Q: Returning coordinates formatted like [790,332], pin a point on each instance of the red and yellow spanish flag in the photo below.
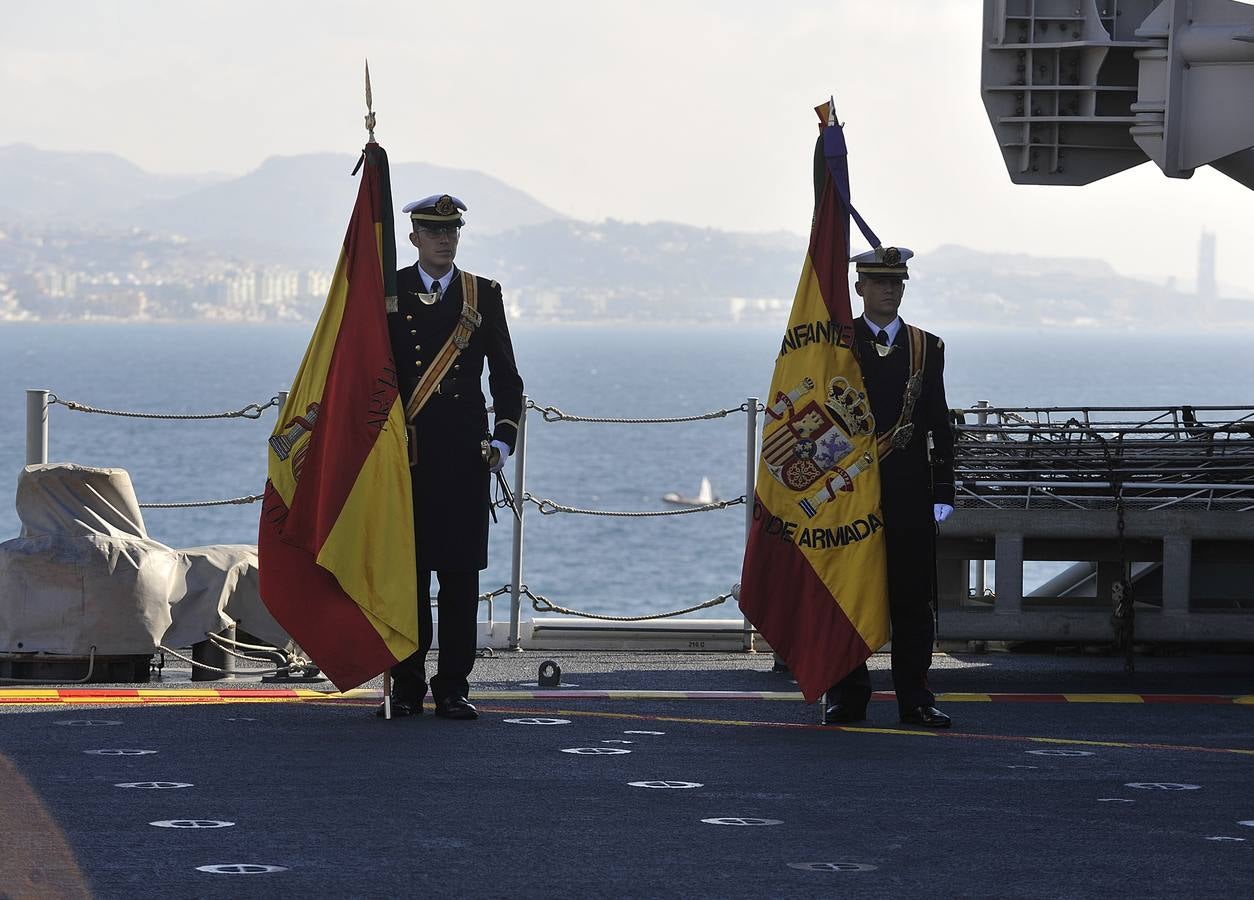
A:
[814,581]
[336,541]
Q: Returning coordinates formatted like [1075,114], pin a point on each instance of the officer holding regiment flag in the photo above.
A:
[446,325]
[903,367]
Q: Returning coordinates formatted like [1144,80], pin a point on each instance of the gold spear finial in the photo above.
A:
[369,105]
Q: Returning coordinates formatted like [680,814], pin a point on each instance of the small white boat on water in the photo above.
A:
[704,495]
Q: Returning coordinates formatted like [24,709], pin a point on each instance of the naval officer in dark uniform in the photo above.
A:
[439,309]
[916,486]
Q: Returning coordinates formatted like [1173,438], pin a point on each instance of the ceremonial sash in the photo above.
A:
[458,341]
[901,433]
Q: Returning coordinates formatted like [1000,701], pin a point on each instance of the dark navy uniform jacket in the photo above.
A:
[451,480]
[909,483]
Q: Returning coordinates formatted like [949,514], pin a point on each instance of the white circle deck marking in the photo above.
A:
[538,721]
[240,869]
[617,741]
[738,820]
[672,785]
[594,751]
[1114,800]
[1224,838]
[89,722]
[154,785]
[119,752]
[1162,786]
[1248,823]
[644,732]
[192,823]
[1060,752]
[1022,767]
[832,867]
[241,719]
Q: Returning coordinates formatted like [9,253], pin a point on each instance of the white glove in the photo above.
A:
[500,462]
[941,511]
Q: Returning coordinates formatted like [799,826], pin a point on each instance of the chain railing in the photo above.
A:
[553,414]
[188,504]
[540,603]
[39,402]
[550,507]
[251,411]
[1023,457]
[547,506]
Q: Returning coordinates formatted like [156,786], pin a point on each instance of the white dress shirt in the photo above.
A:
[890,330]
[444,280]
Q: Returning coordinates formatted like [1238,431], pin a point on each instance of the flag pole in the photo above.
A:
[369,106]
[370,120]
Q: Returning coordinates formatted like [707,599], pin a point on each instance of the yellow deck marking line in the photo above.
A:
[162,696]
[1104,698]
[367,696]
[856,729]
[956,697]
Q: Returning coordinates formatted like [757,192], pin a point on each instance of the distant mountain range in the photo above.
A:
[48,186]
[292,211]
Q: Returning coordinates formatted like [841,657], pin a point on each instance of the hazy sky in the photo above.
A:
[696,112]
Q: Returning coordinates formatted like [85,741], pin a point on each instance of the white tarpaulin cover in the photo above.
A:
[84,573]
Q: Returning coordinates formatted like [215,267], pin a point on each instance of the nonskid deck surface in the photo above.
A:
[1062,777]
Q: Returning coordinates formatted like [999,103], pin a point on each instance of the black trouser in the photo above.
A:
[459,608]
[911,573]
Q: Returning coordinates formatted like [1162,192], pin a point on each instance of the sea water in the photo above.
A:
[615,565]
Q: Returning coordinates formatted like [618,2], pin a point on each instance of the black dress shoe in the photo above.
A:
[925,715]
[401,708]
[840,713]
[456,708]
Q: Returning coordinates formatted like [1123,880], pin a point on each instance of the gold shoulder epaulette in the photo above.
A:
[495,285]
[940,345]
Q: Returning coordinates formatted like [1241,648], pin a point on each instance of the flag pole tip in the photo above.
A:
[370,119]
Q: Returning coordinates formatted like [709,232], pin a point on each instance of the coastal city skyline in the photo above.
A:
[681,112]
[103,240]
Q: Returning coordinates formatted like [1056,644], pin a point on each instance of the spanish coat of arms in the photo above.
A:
[813,441]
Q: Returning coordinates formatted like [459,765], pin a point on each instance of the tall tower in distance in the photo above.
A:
[1206,287]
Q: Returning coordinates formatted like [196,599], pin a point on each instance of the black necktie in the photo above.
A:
[881,338]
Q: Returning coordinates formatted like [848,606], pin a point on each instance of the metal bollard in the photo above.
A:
[208,653]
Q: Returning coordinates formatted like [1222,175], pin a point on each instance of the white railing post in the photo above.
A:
[516,570]
[751,472]
[981,565]
[36,427]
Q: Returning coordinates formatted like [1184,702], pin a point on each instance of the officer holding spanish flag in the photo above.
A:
[903,368]
[447,324]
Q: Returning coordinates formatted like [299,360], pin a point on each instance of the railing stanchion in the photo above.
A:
[36,427]
[981,565]
[282,402]
[516,571]
[751,471]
